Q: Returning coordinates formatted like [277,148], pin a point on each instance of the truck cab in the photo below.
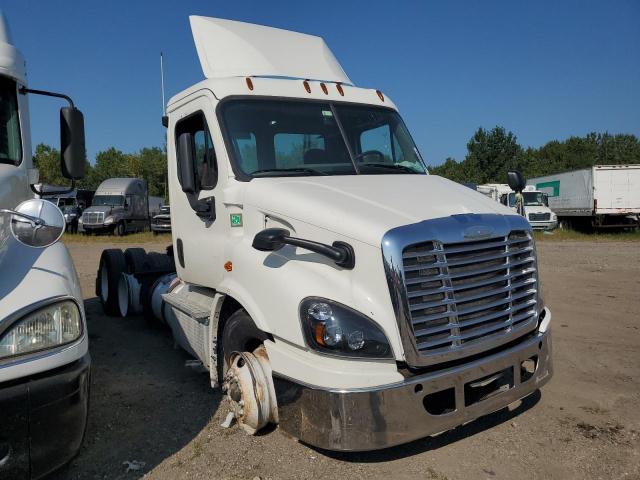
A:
[44,358]
[536,208]
[325,279]
[119,206]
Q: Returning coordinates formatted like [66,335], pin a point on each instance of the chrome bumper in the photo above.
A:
[380,417]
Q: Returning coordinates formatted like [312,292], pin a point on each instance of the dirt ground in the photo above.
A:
[146,406]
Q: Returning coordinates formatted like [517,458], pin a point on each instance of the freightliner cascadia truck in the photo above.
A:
[327,282]
[44,358]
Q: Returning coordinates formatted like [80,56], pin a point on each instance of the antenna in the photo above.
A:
[165,119]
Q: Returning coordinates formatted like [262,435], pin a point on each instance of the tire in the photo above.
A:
[239,334]
[120,230]
[161,262]
[135,260]
[112,264]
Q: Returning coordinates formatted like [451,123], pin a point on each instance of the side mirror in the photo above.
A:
[516,180]
[270,239]
[186,170]
[37,223]
[72,147]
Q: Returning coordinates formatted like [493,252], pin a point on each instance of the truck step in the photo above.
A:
[188,306]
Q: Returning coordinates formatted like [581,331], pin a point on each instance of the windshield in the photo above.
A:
[108,200]
[531,199]
[10,143]
[282,138]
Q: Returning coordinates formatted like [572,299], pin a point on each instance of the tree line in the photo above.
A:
[490,153]
[149,164]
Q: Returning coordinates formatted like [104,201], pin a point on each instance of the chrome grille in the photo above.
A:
[461,294]
[539,217]
[92,218]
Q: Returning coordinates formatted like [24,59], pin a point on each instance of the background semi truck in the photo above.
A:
[44,358]
[536,206]
[324,279]
[119,206]
[601,196]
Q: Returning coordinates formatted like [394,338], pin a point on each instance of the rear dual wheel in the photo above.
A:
[112,264]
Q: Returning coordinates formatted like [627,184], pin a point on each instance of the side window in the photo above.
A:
[206,164]
[295,149]
[377,139]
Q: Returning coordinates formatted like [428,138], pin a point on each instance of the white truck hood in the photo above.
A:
[365,207]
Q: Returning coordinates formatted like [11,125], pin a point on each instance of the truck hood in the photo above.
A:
[106,209]
[365,207]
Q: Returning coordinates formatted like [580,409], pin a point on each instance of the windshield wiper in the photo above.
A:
[310,171]
[390,166]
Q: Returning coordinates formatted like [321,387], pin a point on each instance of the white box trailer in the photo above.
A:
[603,195]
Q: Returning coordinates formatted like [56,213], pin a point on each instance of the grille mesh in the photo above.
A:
[539,217]
[460,294]
[92,218]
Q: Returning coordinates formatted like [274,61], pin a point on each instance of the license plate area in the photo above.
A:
[488,386]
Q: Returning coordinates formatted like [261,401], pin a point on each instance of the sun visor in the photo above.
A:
[227,48]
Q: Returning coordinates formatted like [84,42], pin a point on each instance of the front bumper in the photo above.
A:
[380,417]
[547,225]
[43,420]
[97,228]
[159,227]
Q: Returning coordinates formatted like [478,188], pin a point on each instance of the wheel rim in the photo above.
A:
[104,284]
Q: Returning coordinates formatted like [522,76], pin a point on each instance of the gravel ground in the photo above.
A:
[146,406]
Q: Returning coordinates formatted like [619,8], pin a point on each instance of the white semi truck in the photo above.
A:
[327,282]
[601,196]
[44,359]
[536,207]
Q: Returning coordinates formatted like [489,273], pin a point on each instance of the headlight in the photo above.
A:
[330,327]
[108,220]
[46,328]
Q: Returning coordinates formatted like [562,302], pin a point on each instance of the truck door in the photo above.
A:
[197,235]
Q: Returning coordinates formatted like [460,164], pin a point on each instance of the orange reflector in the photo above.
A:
[249,83]
[319,333]
[307,87]
[324,88]
[228,266]
[380,96]
[340,89]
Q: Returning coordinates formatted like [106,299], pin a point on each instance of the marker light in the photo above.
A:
[307,87]
[324,88]
[249,83]
[340,89]
[380,96]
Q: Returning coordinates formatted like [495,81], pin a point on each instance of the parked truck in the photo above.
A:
[325,280]
[602,196]
[44,358]
[120,206]
[536,206]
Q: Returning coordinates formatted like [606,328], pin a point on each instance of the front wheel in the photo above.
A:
[247,379]
[121,229]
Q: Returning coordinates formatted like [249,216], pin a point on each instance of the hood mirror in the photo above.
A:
[516,180]
[36,223]
[270,239]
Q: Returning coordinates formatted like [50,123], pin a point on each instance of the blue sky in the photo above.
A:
[544,70]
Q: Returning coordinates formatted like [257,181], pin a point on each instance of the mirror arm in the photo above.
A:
[56,192]
[340,252]
[35,222]
[25,90]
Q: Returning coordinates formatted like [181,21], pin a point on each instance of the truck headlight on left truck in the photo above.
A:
[49,327]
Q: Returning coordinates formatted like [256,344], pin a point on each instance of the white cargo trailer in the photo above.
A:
[601,196]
